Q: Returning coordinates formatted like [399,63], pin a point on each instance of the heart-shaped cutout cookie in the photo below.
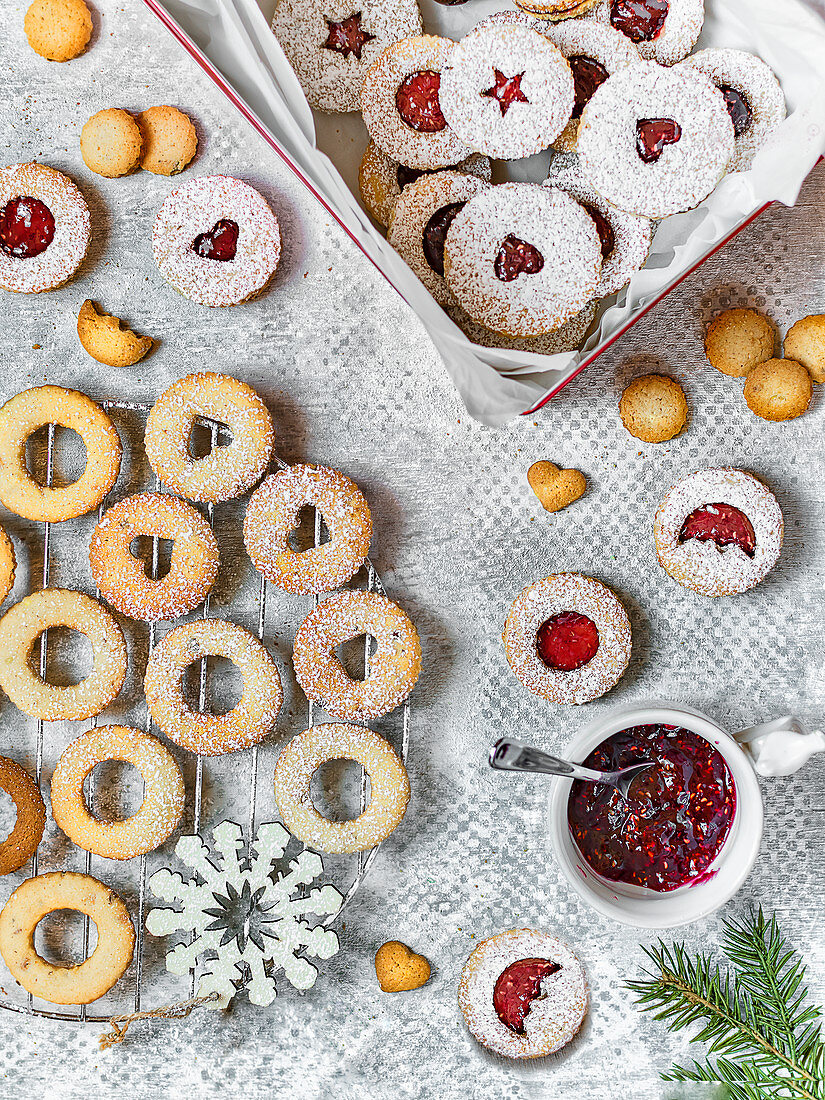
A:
[398,968]
[554,487]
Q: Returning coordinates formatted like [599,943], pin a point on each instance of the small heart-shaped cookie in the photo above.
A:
[555,488]
[398,968]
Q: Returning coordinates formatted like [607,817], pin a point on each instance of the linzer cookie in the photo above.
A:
[655,141]
[44,228]
[662,30]
[752,94]
[506,91]
[522,259]
[216,241]
[400,102]
[566,338]
[332,45]
[556,10]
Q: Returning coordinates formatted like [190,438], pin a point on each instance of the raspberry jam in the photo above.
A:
[653,134]
[417,102]
[507,91]
[567,641]
[517,987]
[603,228]
[640,20]
[348,36]
[435,233]
[516,257]
[677,817]
[738,108]
[406,175]
[588,75]
[26,228]
[722,524]
[219,243]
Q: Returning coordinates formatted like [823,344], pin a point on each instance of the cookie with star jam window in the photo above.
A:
[332,43]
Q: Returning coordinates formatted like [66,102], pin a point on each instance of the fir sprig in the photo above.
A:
[763,1035]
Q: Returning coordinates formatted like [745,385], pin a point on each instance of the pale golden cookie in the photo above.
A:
[738,339]
[805,343]
[107,339]
[58,29]
[778,390]
[653,408]
[169,140]
[555,488]
[111,142]
[399,969]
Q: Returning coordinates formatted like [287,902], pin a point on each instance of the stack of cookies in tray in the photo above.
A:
[640,129]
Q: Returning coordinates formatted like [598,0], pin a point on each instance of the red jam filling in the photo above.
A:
[738,108]
[516,257]
[603,228]
[516,989]
[588,75]
[640,20]
[435,234]
[722,524]
[406,175]
[507,91]
[26,228]
[676,819]
[653,134]
[348,36]
[567,641]
[219,243]
[417,102]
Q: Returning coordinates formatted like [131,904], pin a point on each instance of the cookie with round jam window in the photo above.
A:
[661,30]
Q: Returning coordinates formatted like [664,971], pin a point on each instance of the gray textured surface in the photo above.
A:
[353,381]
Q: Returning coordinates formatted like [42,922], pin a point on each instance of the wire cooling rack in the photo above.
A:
[80,1013]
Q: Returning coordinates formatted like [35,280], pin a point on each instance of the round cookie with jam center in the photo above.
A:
[655,141]
[111,143]
[169,140]
[331,45]
[661,30]
[507,91]
[58,30]
[522,259]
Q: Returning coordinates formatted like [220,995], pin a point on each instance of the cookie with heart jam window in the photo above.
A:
[661,30]
[216,240]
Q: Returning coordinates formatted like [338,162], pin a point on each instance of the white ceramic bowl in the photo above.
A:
[637,905]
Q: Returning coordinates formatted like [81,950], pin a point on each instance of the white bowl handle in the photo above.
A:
[780,747]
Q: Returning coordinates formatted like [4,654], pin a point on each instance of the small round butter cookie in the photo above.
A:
[739,340]
[107,339]
[779,389]
[805,343]
[110,143]
[653,408]
[58,30]
[8,565]
[662,30]
[169,140]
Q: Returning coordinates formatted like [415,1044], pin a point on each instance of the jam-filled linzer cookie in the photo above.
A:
[556,10]
[523,993]
[332,44]
[216,241]
[522,259]
[44,228]
[662,30]
[507,91]
[567,638]
[718,531]
[655,141]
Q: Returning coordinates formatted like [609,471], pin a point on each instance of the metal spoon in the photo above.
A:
[509,755]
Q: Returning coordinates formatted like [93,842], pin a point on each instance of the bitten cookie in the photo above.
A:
[778,390]
[110,143]
[653,408]
[805,343]
[399,969]
[58,29]
[739,339]
[169,140]
[107,339]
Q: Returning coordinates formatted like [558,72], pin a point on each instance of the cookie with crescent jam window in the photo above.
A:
[661,30]
[332,44]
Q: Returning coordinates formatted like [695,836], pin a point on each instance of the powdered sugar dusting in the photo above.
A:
[682,26]
[566,338]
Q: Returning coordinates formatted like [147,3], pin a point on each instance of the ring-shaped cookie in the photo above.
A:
[163,799]
[33,900]
[21,843]
[23,624]
[393,668]
[8,564]
[225,472]
[273,512]
[121,577]
[35,408]
[389,787]
[247,723]
[662,30]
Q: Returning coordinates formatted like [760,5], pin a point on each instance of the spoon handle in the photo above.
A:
[509,755]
